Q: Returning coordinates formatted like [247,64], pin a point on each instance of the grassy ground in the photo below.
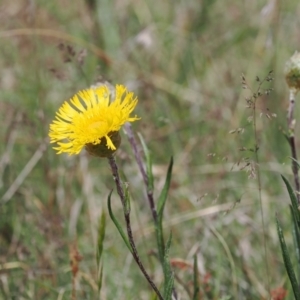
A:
[184,60]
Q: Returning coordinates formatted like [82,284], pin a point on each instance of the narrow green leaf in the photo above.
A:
[100,241]
[296,229]
[287,262]
[169,276]
[293,198]
[296,235]
[164,193]
[160,241]
[161,204]
[116,222]
[196,279]
[101,236]
[166,263]
[160,208]
[100,278]
[148,163]
[169,288]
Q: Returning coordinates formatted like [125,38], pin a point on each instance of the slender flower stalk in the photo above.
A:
[139,160]
[115,173]
[137,155]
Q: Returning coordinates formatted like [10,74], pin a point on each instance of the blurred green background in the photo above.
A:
[184,60]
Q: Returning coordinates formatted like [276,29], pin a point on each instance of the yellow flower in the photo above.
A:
[90,118]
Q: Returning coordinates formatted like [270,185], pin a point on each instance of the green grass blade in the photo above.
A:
[164,193]
[117,224]
[169,288]
[166,265]
[287,262]
[169,276]
[101,236]
[296,230]
[160,241]
[296,235]
[196,279]
[293,199]
[161,204]
[100,241]
[100,279]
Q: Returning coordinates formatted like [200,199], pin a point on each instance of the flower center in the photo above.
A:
[95,125]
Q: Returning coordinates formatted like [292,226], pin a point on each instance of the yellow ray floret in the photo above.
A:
[89,117]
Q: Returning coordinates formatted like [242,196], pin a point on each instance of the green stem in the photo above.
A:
[116,176]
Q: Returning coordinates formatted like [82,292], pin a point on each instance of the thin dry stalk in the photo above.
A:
[291,125]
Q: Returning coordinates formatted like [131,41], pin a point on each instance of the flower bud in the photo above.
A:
[292,72]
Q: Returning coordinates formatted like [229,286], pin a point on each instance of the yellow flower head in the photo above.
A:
[91,118]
